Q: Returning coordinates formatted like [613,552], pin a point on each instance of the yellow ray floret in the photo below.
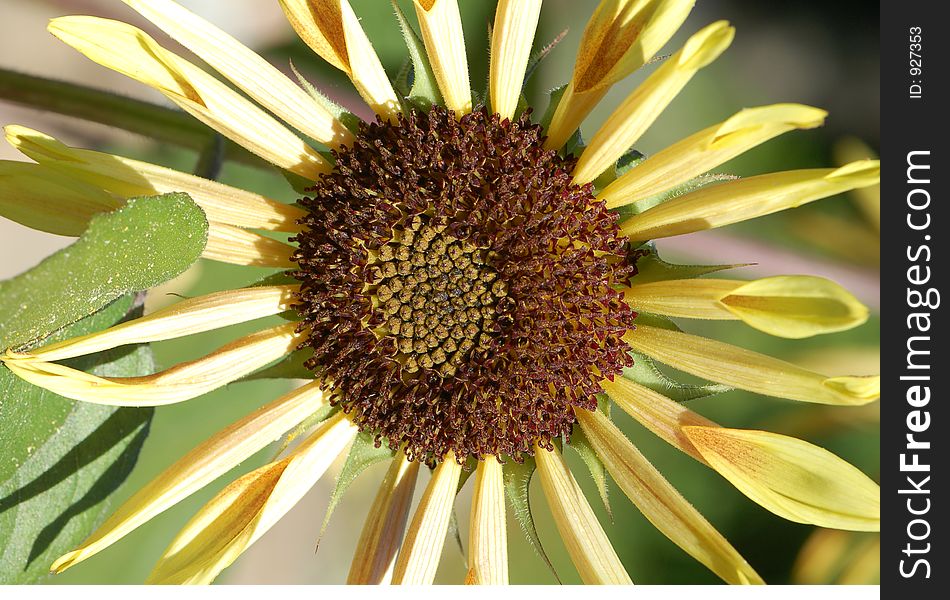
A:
[708,149]
[587,544]
[133,53]
[620,37]
[188,317]
[441,27]
[512,36]
[332,30]
[245,510]
[205,463]
[791,306]
[488,534]
[242,247]
[177,384]
[748,370]
[422,548]
[47,201]
[128,178]
[792,478]
[744,199]
[661,503]
[246,69]
[630,120]
[381,536]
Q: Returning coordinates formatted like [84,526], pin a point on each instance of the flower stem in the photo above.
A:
[144,118]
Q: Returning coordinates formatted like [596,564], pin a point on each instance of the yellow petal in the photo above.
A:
[747,370]
[205,463]
[332,30]
[630,120]
[708,149]
[867,199]
[245,510]
[188,317]
[181,382]
[379,541]
[587,544]
[127,178]
[242,247]
[621,36]
[743,199]
[661,504]
[664,417]
[512,36]
[488,536]
[245,69]
[792,478]
[133,53]
[795,306]
[45,200]
[422,549]
[791,306]
[441,27]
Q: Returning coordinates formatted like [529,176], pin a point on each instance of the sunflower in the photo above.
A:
[472,289]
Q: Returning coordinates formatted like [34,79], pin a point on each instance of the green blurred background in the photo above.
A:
[820,53]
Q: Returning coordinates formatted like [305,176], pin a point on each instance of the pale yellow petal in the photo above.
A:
[748,370]
[127,178]
[630,120]
[512,36]
[661,504]
[791,306]
[45,200]
[795,306]
[133,53]
[179,383]
[488,535]
[792,478]
[708,149]
[332,30]
[242,247]
[743,199]
[664,417]
[867,199]
[621,37]
[420,553]
[187,317]
[245,510]
[381,536]
[245,69]
[442,34]
[587,544]
[205,463]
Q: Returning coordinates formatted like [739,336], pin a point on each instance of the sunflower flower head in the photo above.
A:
[469,289]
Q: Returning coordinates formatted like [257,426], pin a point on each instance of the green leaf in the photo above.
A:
[517,484]
[626,162]
[540,55]
[554,98]
[645,372]
[650,267]
[146,242]
[425,90]
[61,460]
[348,119]
[580,444]
[363,454]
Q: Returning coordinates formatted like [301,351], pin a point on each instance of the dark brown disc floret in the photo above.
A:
[458,289]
